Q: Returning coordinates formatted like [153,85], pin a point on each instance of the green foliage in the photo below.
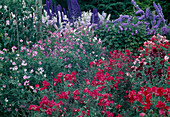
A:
[115,39]
[18,21]
[113,7]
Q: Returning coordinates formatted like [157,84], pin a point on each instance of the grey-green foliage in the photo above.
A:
[18,22]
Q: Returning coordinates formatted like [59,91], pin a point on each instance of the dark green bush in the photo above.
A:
[113,7]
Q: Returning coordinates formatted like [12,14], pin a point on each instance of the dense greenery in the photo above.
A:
[18,22]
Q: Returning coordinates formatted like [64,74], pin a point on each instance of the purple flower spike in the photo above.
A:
[121,28]
[140,11]
[133,2]
[159,6]
[51,5]
[158,23]
[95,18]
[116,20]
[124,24]
[140,18]
[164,30]
[126,16]
[156,7]
[129,19]
[148,13]
[126,29]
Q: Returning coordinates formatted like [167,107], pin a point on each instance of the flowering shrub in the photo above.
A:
[128,35]
[152,101]
[17,78]
[20,71]
[105,94]
[151,68]
[131,32]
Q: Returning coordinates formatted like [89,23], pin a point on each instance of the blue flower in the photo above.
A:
[95,18]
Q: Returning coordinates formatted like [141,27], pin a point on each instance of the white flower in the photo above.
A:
[102,58]
[6,100]
[23,63]
[25,70]
[166,58]
[32,71]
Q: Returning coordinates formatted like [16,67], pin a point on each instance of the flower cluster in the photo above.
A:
[150,98]
[108,78]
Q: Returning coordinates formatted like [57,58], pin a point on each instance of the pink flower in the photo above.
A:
[1,52]
[81,46]
[23,48]
[2,58]
[19,84]
[40,41]
[13,63]
[40,62]
[13,48]
[26,82]
[69,66]
[34,53]
[26,77]
[4,86]
[142,114]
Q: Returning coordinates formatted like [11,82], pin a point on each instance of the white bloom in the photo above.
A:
[6,100]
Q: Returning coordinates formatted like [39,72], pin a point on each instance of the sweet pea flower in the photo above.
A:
[13,48]
[142,114]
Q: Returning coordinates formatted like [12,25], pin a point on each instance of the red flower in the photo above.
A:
[162,112]
[48,111]
[63,95]
[160,104]
[109,114]
[140,48]
[45,83]
[76,110]
[59,75]
[34,107]
[76,92]
[118,106]
[37,85]
[57,80]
